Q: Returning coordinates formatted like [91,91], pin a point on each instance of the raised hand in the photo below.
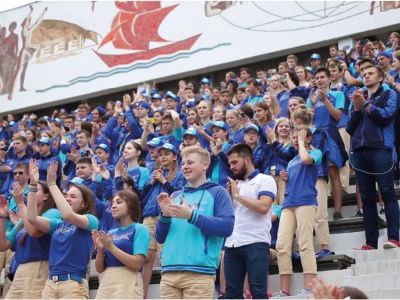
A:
[3,207]
[180,211]
[15,217]
[302,136]
[106,240]
[233,188]
[17,192]
[33,172]
[270,134]
[119,167]
[164,201]
[52,173]
[96,240]
[127,101]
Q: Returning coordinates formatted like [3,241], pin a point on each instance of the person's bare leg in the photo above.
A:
[337,190]
[286,280]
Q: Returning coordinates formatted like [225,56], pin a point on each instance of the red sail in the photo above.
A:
[137,25]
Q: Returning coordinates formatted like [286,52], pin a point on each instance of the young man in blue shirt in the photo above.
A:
[193,224]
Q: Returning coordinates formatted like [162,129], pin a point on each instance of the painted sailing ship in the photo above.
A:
[134,27]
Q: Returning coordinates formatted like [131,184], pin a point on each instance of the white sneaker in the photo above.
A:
[303,294]
[280,294]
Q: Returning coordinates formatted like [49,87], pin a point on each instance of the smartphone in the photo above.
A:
[152,120]
[85,153]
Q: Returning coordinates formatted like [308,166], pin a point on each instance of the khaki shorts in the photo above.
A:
[69,289]
[29,280]
[120,283]
[186,285]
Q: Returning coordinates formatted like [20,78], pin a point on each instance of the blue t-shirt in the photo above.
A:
[300,188]
[322,118]
[32,249]
[70,246]
[140,176]
[133,239]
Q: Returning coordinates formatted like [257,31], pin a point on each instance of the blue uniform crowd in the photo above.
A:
[89,183]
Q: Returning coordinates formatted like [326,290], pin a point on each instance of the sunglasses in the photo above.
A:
[19,173]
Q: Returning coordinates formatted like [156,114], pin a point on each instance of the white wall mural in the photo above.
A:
[52,52]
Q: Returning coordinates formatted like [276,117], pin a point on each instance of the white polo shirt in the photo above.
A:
[250,226]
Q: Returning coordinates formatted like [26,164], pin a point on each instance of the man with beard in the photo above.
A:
[247,249]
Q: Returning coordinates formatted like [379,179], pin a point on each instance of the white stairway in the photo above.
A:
[376,272]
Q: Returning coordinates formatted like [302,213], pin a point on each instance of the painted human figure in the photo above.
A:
[27,50]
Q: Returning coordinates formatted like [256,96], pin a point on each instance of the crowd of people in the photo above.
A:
[209,179]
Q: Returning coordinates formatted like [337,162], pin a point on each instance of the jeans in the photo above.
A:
[376,165]
[253,259]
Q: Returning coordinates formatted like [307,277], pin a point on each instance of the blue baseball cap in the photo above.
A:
[220,124]
[251,126]
[104,147]
[143,104]
[191,131]
[44,140]
[205,81]
[155,142]
[170,94]
[101,110]
[169,147]
[385,54]
[156,96]
[77,181]
[315,56]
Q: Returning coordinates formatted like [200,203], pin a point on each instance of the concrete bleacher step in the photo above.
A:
[376,255]
[379,267]
[376,272]
[383,294]
[373,281]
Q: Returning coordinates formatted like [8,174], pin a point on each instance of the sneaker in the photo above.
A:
[221,296]
[366,247]
[359,214]
[304,292]
[323,253]
[296,255]
[280,294]
[337,216]
[390,244]
[382,210]
[269,294]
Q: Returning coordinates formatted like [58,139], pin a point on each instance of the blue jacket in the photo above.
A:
[374,129]
[119,137]
[195,245]
[151,192]
[43,163]
[277,157]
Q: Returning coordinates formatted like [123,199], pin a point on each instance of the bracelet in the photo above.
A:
[366,104]
[33,190]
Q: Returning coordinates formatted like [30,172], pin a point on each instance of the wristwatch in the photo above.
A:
[366,104]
